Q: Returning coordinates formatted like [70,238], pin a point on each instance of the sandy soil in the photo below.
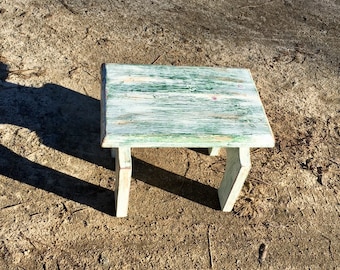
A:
[56,183]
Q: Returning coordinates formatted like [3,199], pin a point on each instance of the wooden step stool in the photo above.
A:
[196,107]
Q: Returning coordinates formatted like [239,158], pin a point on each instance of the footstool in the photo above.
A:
[194,107]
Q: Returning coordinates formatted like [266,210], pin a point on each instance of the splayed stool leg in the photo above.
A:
[237,169]
[214,151]
[123,175]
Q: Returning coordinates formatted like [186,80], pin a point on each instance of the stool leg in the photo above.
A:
[214,151]
[237,169]
[113,152]
[123,175]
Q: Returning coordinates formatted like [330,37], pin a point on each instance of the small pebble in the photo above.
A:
[262,252]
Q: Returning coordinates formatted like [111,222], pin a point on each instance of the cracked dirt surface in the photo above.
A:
[56,183]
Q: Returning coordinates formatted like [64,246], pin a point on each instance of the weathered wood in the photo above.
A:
[237,169]
[166,106]
[198,107]
[123,180]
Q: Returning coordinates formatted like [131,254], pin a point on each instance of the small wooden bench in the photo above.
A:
[196,107]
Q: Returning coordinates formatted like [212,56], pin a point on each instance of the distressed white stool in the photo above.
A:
[196,107]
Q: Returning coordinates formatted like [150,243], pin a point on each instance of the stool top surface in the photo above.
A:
[168,106]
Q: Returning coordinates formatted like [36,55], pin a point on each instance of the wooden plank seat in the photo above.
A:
[196,107]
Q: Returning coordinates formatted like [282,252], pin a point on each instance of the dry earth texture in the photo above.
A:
[57,184]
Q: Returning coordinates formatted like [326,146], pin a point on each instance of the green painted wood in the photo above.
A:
[167,106]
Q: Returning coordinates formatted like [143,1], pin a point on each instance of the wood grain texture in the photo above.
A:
[167,106]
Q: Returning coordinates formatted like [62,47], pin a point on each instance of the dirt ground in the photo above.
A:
[57,184]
